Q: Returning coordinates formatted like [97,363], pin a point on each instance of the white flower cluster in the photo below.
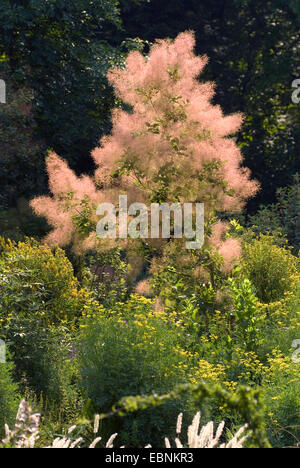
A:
[26,430]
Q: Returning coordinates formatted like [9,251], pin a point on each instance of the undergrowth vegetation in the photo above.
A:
[74,356]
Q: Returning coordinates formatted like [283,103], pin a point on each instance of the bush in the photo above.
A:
[282,324]
[269,268]
[40,283]
[132,350]
[281,394]
[43,362]
[40,300]
[246,314]
[8,397]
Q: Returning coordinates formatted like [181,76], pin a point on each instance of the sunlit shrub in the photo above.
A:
[174,146]
[282,325]
[35,281]
[247,318]
[40,300]
[269,268]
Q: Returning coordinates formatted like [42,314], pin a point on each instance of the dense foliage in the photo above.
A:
[51,47]
[8,397]
[253,48]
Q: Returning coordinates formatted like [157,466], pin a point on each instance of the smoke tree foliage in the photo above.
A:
[173,145]
[257,83]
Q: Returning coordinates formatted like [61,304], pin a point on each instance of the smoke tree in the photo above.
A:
[170,145]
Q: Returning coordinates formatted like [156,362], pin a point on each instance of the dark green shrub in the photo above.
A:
[39,283]
[22,163]
[282,217]
[106,275]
